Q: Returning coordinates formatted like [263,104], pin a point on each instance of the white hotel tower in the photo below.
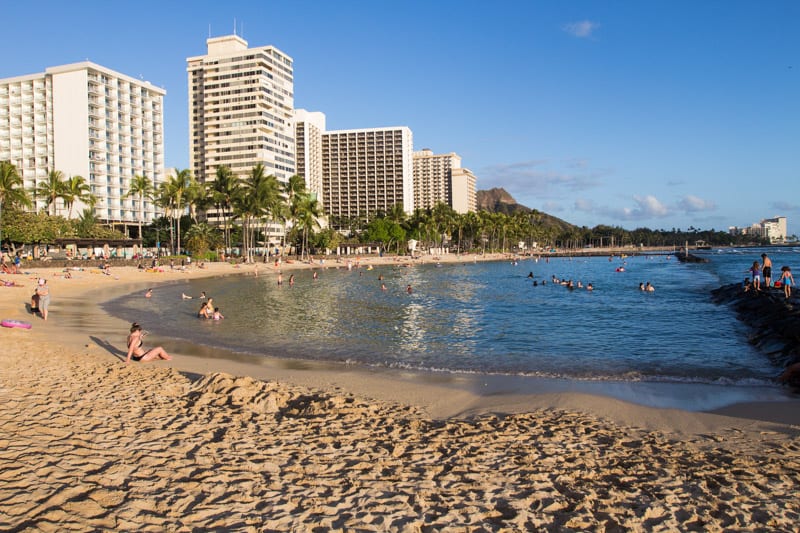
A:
[86,120]
[241,108]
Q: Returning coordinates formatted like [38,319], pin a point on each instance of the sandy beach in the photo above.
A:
[243,444]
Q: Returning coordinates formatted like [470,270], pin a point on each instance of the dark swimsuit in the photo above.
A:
[138,358]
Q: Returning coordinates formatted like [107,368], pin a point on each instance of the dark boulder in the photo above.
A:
[774,324]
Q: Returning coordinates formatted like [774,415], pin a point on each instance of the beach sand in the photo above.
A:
[237,444]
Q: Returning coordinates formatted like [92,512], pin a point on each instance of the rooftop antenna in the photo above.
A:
[234,25]
[209,31]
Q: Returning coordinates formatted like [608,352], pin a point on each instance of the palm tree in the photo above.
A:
[52,189]
[308,213]
[261,199]
[201,237]
[222,191]
[86,222]
[76,189]
[172,197]
[295,191]
[142,187]
[11,189]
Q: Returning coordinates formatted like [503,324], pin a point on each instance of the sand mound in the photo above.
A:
[88,444]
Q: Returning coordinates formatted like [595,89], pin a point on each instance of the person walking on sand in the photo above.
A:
[787,281]
[136,350]
[755,272]
[766,270]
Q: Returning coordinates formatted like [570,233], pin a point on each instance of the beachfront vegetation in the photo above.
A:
[251,208]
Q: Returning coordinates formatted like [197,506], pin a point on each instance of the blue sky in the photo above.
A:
[637,114]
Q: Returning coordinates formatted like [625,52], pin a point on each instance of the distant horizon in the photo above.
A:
[724,230]
[625,115]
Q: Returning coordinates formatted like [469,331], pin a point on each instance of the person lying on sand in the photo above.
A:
[137,352]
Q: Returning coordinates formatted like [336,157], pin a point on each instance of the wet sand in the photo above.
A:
[201,442]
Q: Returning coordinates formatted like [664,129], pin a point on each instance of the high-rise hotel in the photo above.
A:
[366,171]
[84,119]
[241,106]
[440,178]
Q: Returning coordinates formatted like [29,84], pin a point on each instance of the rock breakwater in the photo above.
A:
[773,320]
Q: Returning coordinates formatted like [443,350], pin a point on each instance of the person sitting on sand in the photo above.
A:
[137,352]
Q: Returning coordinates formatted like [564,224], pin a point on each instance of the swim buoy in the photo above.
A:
[7,323]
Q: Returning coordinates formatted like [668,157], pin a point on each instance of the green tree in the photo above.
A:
[141,187]
[258,199]
[223,190]
[12,191]
[201,238]
[52,189]
[172,197]
[76,189]
[308,212]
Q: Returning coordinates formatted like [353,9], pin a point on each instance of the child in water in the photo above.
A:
[217,314]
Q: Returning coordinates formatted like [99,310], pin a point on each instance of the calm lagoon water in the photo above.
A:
[485,318]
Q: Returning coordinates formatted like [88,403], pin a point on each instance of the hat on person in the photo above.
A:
[42,281]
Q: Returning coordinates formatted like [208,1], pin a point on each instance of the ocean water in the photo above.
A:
[485,318]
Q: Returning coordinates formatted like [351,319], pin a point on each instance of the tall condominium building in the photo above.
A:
[309,128]
[441,178]
[774,229]
[241,107]
[84,119]
[366,171]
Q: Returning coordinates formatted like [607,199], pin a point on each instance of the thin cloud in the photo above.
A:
[785,206]
[552,207]
[534,178]
[645,208]
[693,204]
[582,29]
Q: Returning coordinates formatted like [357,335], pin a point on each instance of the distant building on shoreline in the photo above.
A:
[85,120]
[774,229]
[440,178]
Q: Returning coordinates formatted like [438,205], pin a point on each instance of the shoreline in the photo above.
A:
[202,443]
[442,395]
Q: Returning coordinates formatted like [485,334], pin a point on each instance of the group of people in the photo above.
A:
[764,269]
[208,310]
[646,287]
[9,267]
[568,283]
